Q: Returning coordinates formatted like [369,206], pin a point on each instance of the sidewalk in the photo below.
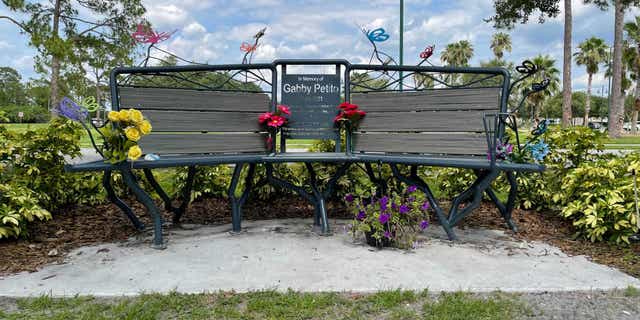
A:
[286,254]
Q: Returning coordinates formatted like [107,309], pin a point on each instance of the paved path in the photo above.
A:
[286,254]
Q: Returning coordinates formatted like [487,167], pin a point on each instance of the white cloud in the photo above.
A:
[194,28]
[167,15]
[5,45]
[446,22]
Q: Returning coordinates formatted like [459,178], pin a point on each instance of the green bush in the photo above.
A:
[569,147]
[32,177]
[31,114]
[35,159]
[18,207]
[598,197]
[208,181]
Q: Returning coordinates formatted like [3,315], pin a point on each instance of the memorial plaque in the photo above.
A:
[314,100]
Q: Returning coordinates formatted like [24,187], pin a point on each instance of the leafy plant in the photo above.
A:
[18,207]
[35,160]
[599,198]
[392,219]
[208,181]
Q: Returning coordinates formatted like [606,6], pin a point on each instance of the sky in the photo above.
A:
[213,30]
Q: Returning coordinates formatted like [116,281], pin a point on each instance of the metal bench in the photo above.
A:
[202,116]
[206,115]
[444,124]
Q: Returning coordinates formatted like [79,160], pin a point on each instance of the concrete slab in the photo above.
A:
[282,254]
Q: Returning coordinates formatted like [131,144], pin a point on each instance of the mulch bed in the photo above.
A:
[81,225]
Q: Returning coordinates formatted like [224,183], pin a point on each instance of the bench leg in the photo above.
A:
[237,203]
[186,193]
[414,179]
[318,202]
[317,197]
[379,180]
[147,201]
[106,182]
[506,209]
[475,192]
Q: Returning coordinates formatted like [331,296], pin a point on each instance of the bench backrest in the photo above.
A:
[190,121]
[437,121]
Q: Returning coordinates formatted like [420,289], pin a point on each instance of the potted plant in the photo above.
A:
[390,220]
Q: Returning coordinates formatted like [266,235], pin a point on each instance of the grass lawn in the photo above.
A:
[274,305]
[623,140]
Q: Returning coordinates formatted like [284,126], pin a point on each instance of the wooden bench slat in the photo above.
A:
[203,143]
[437,99]
[185,99]
[425,121]
[195,121]
[453,144]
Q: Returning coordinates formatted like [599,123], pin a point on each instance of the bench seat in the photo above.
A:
[306,157]
[477,163]
[170,162]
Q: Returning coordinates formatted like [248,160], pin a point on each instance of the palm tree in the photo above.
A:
[549,70]
[593,52]
[457,54]
[633,36]
[500,43]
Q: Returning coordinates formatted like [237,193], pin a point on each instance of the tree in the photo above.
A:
[510,12]
[365,82]
[633,36]
[62,31]
[500,43]
[11,89]
[457,54]
[593,52]
[616,111]
[549,71]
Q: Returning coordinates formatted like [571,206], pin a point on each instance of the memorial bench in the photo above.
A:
[199,120]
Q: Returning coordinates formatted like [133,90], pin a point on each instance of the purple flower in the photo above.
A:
[387,234]
[361,215]
[425,206]
[412,189]
[394,206]
[424,224]
[411,199]
[383,203]
[404,208]
[384,218]
[348,198]
[72,111]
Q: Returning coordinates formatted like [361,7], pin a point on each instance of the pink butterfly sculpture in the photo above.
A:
[145,34]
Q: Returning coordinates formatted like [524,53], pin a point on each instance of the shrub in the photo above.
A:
[598,197]
[31,114]
[18,207]
[569,147]
[35,159]
[208,181]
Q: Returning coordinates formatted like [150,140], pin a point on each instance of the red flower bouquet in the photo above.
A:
[349,114]
[272,121]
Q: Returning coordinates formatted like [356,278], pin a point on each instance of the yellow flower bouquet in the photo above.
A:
[121,139]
